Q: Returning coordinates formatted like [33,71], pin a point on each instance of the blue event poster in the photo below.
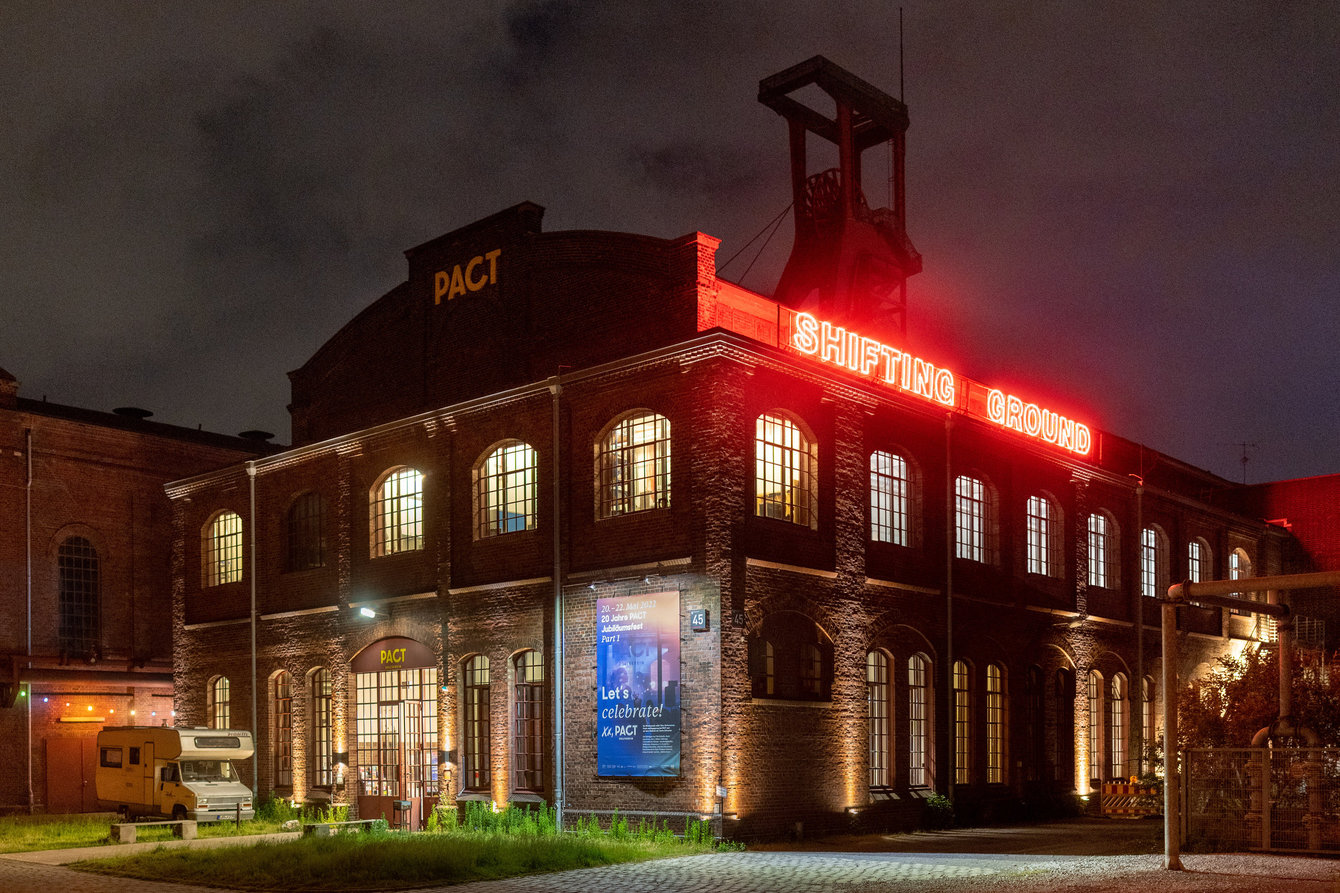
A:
[637,692]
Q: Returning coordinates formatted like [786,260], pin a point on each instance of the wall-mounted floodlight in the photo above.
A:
[367,612]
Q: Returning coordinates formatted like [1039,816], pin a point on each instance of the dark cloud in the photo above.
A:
[1131,210]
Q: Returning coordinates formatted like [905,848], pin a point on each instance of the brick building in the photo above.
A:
[569,519]
[85,538]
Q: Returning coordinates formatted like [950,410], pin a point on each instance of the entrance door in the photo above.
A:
[71,764]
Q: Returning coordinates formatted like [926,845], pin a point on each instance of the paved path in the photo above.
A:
[1066,856]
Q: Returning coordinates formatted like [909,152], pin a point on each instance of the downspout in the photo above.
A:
[28,574]
[255,726]
[950,747]
[1141,733]
[556,390]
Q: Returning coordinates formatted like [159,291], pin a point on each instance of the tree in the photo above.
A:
[1241,696]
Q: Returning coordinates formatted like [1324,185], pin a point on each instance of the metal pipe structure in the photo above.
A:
[950,749]
[255,725]
[28,570]
[556,389]
[1218,594]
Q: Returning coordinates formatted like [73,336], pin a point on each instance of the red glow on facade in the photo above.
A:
[756,317]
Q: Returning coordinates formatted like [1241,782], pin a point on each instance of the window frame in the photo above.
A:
[395,512]
[320,728]
[1154,561]
[997,724]
[920,724]
[633,474]
[219,706]
[1104,550]
[528,714]
[306,528]
[962,722]
[281,737]
[879,709]
[974,519]
[507,476]
[221,553]
[786,470]
[79,596]
[476,724]
[1043,523]
[895,505]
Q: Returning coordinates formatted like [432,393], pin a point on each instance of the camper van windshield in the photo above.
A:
[207,770]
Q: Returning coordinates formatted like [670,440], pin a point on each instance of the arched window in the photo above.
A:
[1197,560]
[396,507]
[1116,711]
[1153,562]
[786,482]
[475,767]
[791,658]
[1149,731]
[1096,711]
[80,596]
[633,466]
[893,499]
[221,549]
[1063,705]
[877,716]
[995,724]
[281,737]
[918,721]
[1103,551]
[1043,528]
[962,724]
[320,753]
[1035,724]
[307,532]
[528,723]
[219,706]
[506,490]
[974,520]
[1239,568]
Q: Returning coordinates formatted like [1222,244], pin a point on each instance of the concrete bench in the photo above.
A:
[326,829]
[124,832]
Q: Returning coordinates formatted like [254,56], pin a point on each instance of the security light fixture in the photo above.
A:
[367,612]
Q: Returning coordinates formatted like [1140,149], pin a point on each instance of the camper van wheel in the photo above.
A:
[123,813]
[179,812]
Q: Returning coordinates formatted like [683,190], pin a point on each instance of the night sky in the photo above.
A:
[1127,211]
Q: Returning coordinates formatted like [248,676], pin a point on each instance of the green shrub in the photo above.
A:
[939,812]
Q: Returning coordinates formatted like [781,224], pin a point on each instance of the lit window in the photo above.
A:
[995,724]
[1044,536]
[397,512]
[974,520]
[506,488]
[475,768]
[307,532]
[1095,724]
[222,549]
[1148,733]
[220,708]
[282,729]
[962,725]
[785,472]
[877,716]
[633,466]
[892,499]
[1153,562]
[395,733]
[918,721]
[320,755]
[1239,568]
[80,596]
[1103,551]
[1116,711]
[1197,560]
[528,731]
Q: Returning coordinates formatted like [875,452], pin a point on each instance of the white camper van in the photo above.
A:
[178,773]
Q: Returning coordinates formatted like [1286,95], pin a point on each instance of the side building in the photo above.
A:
[85,580]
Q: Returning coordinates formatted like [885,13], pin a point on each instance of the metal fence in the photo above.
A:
[1282,799]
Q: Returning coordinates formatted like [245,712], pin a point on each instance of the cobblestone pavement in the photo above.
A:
[1035,866]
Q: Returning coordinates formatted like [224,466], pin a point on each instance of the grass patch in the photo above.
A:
[26,834]
[481,847]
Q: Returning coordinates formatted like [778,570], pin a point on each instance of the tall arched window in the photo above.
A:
[1096,711]
[1043,528]
[506,490]
[475,766]
[80,596]
[220,705]
[1239,568]
[995,724]
[1063,705]
[281,737]
[893,499]
[1103,551]
[1153,562]
[307,532]
[528,723]
[1149,730]
[974,520]
[786,481]
[918,721]
[1197,560]
[1116,711]
[877,716]
[320,753]
[397,512]
[633,466]
[1035,724]
[962,724]
[221,549]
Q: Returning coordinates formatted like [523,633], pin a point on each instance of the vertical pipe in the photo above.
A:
[556,389]
[950,749]
[1285,627]
[255,726]
[1141,733]
[1172,819]
[28,574]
